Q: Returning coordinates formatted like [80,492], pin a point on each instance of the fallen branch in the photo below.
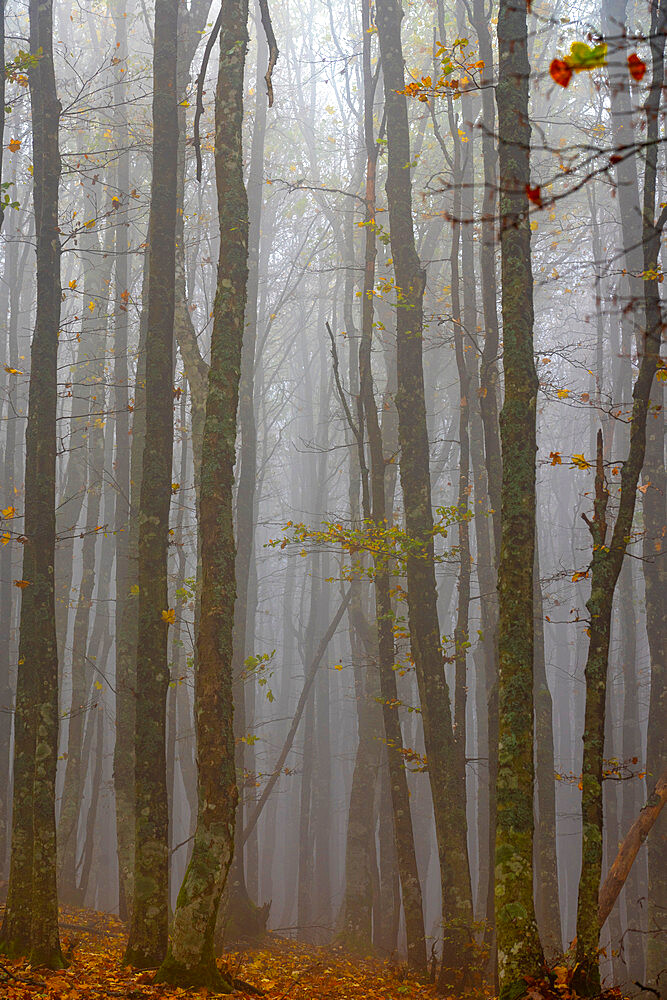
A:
[627,852]
[24,980]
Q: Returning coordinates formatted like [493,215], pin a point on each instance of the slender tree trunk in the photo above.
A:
[547,903]
[607,560]
[15,273]
[30,924]
[447,789]
[241,910]
[191,958]
[150,911]
[519,949]
[125,677]
[403,831]
[75,768]
[655,497]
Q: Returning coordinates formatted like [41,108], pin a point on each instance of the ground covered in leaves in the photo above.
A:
[283,970]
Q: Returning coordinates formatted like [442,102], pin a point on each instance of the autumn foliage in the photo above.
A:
[94,944]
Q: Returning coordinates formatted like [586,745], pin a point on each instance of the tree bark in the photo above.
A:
[607,560]
[150,911]
[519,948]
[400,799]
[30,924]
[447,789]
[191,958]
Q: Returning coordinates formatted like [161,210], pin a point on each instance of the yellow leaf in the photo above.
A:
[72,284]
[579,576]
[9,512]
[134,589]
[534,226]
[91,305]
[5,538]
[580,462]
[21,584]
[169,616]
[563,393]
[12,371]
[14,146]
[555,458]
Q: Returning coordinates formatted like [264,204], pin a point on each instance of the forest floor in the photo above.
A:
[283,970]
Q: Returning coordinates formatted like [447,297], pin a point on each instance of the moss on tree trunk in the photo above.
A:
[519,949]
[147,943]
[191,958]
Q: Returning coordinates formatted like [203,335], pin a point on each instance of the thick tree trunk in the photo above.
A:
[519,949]
[150,911]
[191,957]
[30,924]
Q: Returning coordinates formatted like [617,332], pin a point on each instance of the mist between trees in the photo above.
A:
[332,578]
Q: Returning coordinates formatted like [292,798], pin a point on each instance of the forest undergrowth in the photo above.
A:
[94,944]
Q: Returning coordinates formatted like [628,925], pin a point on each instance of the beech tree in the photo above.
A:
[147,943]
[30,924]
[191,957]
[519,947]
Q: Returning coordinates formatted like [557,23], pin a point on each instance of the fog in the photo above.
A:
[316,838]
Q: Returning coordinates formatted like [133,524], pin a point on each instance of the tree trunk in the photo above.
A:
[403,831]
[448,790]
[519,949]
[547,903]
[30,924]
[191,957]
[150,911]
[607,560]
[125,680]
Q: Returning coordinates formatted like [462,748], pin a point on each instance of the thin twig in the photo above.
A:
[200,85]
[273,47]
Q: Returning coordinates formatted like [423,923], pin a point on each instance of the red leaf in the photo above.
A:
[560,72]
[534,195]
[636,66]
